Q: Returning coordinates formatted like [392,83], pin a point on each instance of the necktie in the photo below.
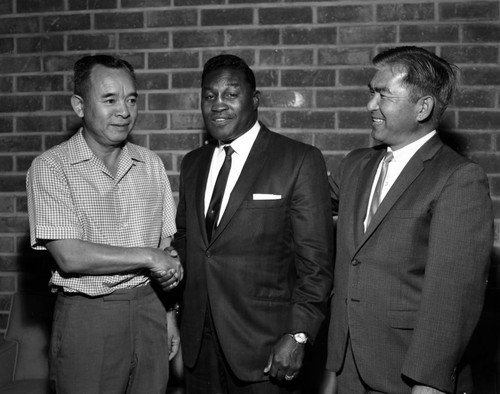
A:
[220,185]
[378,188]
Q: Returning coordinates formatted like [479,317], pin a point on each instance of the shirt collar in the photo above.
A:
[244,143]
[409,150]
[79,151]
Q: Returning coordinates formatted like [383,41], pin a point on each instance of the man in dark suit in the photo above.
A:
[259,258]
[412,255]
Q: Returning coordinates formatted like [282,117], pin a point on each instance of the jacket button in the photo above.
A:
[208,254]
[355,262]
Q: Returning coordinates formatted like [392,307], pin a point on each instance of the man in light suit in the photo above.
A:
[257,280]
[410,274]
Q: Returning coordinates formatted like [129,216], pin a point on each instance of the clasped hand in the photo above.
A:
[286,359]
[168,272]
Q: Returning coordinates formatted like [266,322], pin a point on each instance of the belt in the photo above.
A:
[135,293]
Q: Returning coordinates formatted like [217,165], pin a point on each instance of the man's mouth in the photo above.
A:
[376,120]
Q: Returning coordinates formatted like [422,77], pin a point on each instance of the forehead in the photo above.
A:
[225,77]
[388,78]
[105,78]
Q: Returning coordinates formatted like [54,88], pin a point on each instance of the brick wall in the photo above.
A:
[311,58]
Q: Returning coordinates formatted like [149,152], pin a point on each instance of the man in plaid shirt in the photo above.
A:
[103,208]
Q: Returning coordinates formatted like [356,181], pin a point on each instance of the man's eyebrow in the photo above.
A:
[379,90]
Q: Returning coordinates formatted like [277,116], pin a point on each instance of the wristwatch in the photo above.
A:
[300,337]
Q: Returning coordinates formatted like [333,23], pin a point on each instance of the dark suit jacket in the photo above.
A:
[410,290]
[268,269]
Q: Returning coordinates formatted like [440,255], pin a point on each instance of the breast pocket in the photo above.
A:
[263,204]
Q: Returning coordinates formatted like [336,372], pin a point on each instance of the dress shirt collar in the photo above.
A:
[243,144]
[406,153]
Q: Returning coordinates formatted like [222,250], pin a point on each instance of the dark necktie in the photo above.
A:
[378,188]
[220,185]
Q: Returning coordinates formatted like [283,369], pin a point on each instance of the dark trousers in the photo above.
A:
[112,344]
[212,375]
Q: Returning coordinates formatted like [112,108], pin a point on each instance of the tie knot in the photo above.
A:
[388,157]
[229,150]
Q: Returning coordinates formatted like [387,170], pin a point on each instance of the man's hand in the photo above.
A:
[174,339]
[285,359]
[167,269]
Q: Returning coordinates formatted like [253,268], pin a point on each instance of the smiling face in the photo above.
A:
[108,108]
[228,104]
[395,118]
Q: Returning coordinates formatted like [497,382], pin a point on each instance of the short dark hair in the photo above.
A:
[232,62]
[426,74]
[83,70]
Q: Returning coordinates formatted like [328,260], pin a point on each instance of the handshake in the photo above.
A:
[168,271]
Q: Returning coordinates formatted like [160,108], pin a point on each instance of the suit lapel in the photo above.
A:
[250,172]
[411,171]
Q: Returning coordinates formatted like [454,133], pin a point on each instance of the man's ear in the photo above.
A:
[256,99]
[425,108]
[77,104]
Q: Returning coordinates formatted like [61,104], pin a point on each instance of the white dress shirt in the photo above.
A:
[401,158]
[242,146]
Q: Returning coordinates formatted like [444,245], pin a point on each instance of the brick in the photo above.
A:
[152,81]
[245,37]
[9,143]
[487,76]
[269,118]
[24,25]
[171,18]
[468,11]
[20,103]
[356,76]
[285,16]
[59,102]
[474,98]
[478,33]
[174,141]
[250,1]
[171,101]
[56,63]
[495,185]
[470,54]
[40,44]
[429,33]
[6,206]
[6,7]
[186,121]
[173,59]
[138,139]
[151,121]
[280,57]
[309,119]
[6,45]
[286,99]
[168,160]
[248,55]
[7,283]
[39,123]
[333,160]
[345,14]
[308,78]
[479,120]
[366,34]
[5,301]
[6,86]
[465,142]
[23,162]
[40,83]
[91,42]
[21,204]
[342,98]
[182,3]
[339,141]
[226,16]
[18,64]
[6,164]
[39,6]
[405,12]
[354,120]
[198,39]
[310,36]
[74,5]
[186,80]
[266,78]
[344,56]
[119,20]
[66,22]
[489,161]
[148,40]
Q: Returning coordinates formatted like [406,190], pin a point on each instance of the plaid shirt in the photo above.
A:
[72,195]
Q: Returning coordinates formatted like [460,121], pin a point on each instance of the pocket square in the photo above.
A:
[263,196]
